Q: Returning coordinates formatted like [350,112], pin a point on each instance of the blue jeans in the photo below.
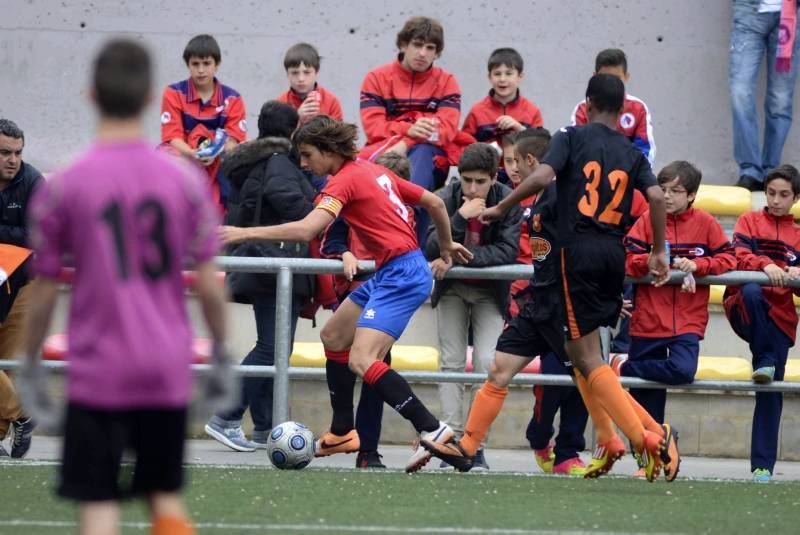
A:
[755,34]
[423,174]
[750,320]
[257,391]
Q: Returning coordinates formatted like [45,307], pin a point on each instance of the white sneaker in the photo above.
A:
[421,456]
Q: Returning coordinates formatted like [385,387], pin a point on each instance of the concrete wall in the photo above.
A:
[677,51]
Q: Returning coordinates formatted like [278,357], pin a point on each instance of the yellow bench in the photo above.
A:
[723,200]
[737,369]
[417,358]
[717,290]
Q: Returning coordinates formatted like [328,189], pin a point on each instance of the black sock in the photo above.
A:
[341,384]
[396,392]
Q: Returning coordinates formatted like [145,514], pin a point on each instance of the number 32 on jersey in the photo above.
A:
[591,202]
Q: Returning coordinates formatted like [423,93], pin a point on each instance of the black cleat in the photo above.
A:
[450,452]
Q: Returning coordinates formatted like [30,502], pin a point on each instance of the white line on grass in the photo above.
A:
[55,524]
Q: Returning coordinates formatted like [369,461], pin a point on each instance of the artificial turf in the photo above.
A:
[256,500]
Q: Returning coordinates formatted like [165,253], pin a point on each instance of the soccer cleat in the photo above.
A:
[616,361]
[231,436]
[571,467]
[545,458]
[479,463]
[212,149]
[22,436]
[450,453]
[369,459]
[651,455]
[764,374]
[422,453]
[762,475]
[604,457]
[670,457]
[329,444]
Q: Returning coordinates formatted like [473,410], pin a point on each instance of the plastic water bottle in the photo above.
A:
[434,137]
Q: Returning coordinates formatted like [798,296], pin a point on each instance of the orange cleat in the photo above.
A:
[604,457]
[670,457]
[328,444]
[651,455]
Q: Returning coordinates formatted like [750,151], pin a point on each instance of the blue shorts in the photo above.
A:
[394,293]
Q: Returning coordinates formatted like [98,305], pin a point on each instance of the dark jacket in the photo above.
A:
[267,165]
[14,229]
[499,241]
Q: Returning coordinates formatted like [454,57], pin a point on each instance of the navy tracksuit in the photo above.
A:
[770,347]
[549,399]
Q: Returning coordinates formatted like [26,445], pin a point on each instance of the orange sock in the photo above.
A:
[485,408]
[606,388]
[603,425]
[171,525]
[647,421]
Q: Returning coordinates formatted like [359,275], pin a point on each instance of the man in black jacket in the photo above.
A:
[17,182]
[461,303]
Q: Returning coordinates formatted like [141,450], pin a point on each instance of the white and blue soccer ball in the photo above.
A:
[290,446]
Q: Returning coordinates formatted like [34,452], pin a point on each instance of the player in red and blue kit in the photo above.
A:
[372,200]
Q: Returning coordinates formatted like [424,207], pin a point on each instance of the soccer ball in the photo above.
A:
[290,446]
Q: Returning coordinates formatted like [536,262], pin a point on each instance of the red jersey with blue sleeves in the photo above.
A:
[183,112]
[667,311]
[372,200]
[393,98]
[760,239]
[481,121]
[634,122]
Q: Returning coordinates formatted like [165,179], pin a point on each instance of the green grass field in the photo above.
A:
[257,500]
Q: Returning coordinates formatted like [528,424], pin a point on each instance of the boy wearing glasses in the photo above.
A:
[669,321]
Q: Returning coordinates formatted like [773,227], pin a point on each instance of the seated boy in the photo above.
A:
[412,107]
[480,303]
[669,321]
[765,317]
[503,111]
[305,94]
[193,109]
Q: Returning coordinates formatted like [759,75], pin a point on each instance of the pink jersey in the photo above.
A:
[372,200]
[128,219]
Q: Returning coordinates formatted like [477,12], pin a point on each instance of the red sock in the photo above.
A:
[342,356]
[485,408]
[375,372]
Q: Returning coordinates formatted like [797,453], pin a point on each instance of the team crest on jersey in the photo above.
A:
[536,222]
[540,248]
[165,117]
[790,256]
[626,120]
[243,125]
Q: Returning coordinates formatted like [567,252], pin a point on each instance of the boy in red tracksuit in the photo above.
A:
[767,240]
[302,64]
[503,111]
[412,107]
[669,321]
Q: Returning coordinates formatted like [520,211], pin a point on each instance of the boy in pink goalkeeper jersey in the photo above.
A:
[129,218]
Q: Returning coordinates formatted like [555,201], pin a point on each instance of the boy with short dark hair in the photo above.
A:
[480,303]
[193,110]
[634,122]
[129,218]
[669,321]
[305,94]
[503,110]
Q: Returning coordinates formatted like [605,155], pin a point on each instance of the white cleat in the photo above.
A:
[421,456]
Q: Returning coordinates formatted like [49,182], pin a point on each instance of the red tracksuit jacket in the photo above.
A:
[667,311]
[761,239]
[481,121]
[393,98]
[328,104]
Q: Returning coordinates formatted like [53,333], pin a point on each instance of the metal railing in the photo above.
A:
[286,267]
